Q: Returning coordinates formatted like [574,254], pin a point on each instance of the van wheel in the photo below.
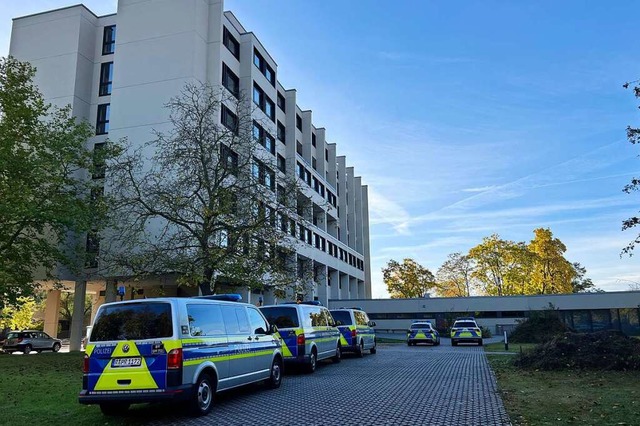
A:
[275,379]
[361,349]
[373,350]
[114,408]
[56,347]
[313,361]
[202,401]
[336,359]
[454,343]
[26,350]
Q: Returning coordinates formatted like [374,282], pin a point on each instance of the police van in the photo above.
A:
[177,349]
[307,332]
[356,330]
[466,330]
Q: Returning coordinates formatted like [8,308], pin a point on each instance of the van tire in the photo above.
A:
[338,357]
[360,350]
[275,377]
[313,361]
[114,408]
[373,350]
[202,400]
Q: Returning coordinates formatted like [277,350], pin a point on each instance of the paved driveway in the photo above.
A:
[399,385]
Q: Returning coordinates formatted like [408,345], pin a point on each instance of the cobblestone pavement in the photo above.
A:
[399,385]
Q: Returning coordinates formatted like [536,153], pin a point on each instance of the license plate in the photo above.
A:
[126,362]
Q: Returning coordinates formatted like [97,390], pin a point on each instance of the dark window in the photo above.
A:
[99,167]
[314,163]
[269,108]
[92,249]
[106,79]
[269,143]
[230,80]
[282,164]
[282,317]
[109,40]
[281,133]
[313,139]
[298,147]
[263,102]
[235,320]
[102,121]
[326,154]
[264,138]
[231,43]
[264,68]
[229,159]
[229,119]
[205,320]
[133,321]
[281,102]
[299,122]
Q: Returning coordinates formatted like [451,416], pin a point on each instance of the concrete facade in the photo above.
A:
[159,46]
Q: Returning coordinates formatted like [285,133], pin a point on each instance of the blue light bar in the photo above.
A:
[227,297]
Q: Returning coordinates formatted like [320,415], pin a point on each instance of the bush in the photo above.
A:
[538,329]
[602,350]
[486,332]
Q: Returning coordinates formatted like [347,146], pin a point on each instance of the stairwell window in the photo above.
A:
[106,79]
[102,120]
[230,80]
[109,40]
[231,43]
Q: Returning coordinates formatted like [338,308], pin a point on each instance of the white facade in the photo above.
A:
[160,45]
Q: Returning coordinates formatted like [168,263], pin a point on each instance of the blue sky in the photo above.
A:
[465,119]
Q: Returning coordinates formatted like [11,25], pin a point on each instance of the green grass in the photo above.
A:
[567,397]
[43,389]
[386,340]
[513,347]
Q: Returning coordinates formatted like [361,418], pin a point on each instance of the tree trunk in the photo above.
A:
[205,286]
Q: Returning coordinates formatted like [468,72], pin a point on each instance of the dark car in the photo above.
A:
[26,341]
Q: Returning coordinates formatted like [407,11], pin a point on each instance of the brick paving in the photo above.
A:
[399,385]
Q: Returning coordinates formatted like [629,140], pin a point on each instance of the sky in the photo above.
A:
[464,118]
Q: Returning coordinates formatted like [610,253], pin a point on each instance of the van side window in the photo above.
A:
[205,320]
[258,324]
[328,317]
[318,319]
[361,318]
[235,320]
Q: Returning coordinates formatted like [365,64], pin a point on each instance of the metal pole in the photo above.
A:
[506,342]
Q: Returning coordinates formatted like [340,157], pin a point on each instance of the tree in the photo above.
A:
[66,307]
[496,260]
[203,200]
[633,136]
[581,284]
[454,276]
[552,273]
[21,315]
[408,279]
[44,196]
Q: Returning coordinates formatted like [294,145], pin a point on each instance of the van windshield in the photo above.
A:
[133,321]
[282,317]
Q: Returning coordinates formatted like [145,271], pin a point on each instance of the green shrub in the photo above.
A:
[538,329]
[486,332]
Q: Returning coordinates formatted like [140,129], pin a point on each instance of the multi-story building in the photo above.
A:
[118,71]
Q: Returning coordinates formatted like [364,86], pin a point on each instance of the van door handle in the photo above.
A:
[257,338]
[249,338]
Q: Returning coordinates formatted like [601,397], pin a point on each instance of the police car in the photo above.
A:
[307,332]
[466,330]
[356,330]
[184,349]
[422,331]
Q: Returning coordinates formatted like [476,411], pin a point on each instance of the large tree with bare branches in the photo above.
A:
[207,201]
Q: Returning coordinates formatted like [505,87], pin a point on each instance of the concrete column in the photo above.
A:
[52,313]
[323,290]
[344,286]
[334,289]
[95,304]
[110,291]
[362,294]
[77,319]
[353,288]
[365,242]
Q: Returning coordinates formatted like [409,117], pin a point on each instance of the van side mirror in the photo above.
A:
[372,323]
[273,329]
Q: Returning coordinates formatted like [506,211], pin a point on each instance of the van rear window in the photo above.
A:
[343,316]
[282,317]
[467,324]
[133,321]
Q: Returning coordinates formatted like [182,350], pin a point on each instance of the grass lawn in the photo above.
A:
[513,347]
[567,397]
[386,340]
[43,389]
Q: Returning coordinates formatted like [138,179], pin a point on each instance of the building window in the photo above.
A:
[109,40]
[281,133]
[231,43]
[92,248]
[264,68]
[229,119]
[106,79]
[298,122]
[264,138]
[314,163]
[230,80]
[229,159]
[326,155]
[282,164]
[263,102]
[263,174]
[99,166]
[281,102]
[313,139]
[102,120]
[298,147]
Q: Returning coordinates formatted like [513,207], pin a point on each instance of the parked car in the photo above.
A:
[422,331]
[26,341]
[356,330]
[466,330]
